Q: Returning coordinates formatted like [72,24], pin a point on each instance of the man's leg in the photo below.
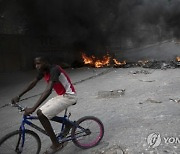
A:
[49,110]
[47,126]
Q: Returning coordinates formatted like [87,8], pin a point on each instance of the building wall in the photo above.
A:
[17,52]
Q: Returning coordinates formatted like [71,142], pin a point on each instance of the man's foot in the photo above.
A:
[53,149]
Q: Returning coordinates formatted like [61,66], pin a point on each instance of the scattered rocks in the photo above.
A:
[154,64]
[140,72]
[175,100]
[149,100]
[111,93]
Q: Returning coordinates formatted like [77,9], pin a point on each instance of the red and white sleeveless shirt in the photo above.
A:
[62,82]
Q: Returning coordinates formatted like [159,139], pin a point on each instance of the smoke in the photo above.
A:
[78,23]
[97,23]
[162,13]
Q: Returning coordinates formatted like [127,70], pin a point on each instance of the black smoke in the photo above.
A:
[90,24]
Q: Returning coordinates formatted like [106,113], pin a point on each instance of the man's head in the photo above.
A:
[41,63]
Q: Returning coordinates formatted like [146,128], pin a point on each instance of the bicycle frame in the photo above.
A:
[85,133]
[62,120]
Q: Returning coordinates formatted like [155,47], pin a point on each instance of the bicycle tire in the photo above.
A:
[11,144]
[78,139]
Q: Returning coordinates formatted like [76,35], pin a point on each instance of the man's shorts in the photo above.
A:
[57,104]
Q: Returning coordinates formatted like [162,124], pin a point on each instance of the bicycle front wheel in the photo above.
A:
[88,133]
[12,143]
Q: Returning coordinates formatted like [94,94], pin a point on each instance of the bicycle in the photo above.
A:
[81,134]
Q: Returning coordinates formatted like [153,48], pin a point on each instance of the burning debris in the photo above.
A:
[118,64]
[106,61]
[93,61]
[154,64]
[177,61]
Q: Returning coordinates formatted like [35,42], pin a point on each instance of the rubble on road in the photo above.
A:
[153,64]
[140,72]
[111,93]
[175,100]
[149,100]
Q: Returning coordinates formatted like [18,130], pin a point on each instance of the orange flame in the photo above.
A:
[87,60]
[178,59]
[104,62]
[117,63]
[92,60]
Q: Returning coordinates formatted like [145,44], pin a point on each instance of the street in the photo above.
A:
[150,104]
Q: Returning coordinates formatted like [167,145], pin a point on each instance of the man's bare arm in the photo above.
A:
[29,87]
[44,95]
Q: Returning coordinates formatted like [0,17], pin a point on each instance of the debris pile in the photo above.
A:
[154,64]
[108,61]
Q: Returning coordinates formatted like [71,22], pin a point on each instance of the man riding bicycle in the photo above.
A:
[58,80]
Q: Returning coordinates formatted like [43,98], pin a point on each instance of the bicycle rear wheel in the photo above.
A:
[12,142]
[89,132]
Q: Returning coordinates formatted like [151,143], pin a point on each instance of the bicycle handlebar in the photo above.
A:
[21,109]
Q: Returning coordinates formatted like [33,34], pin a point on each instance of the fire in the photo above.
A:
[105,61]
[178,59]
[92,60]
[117,63]
[87,60]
